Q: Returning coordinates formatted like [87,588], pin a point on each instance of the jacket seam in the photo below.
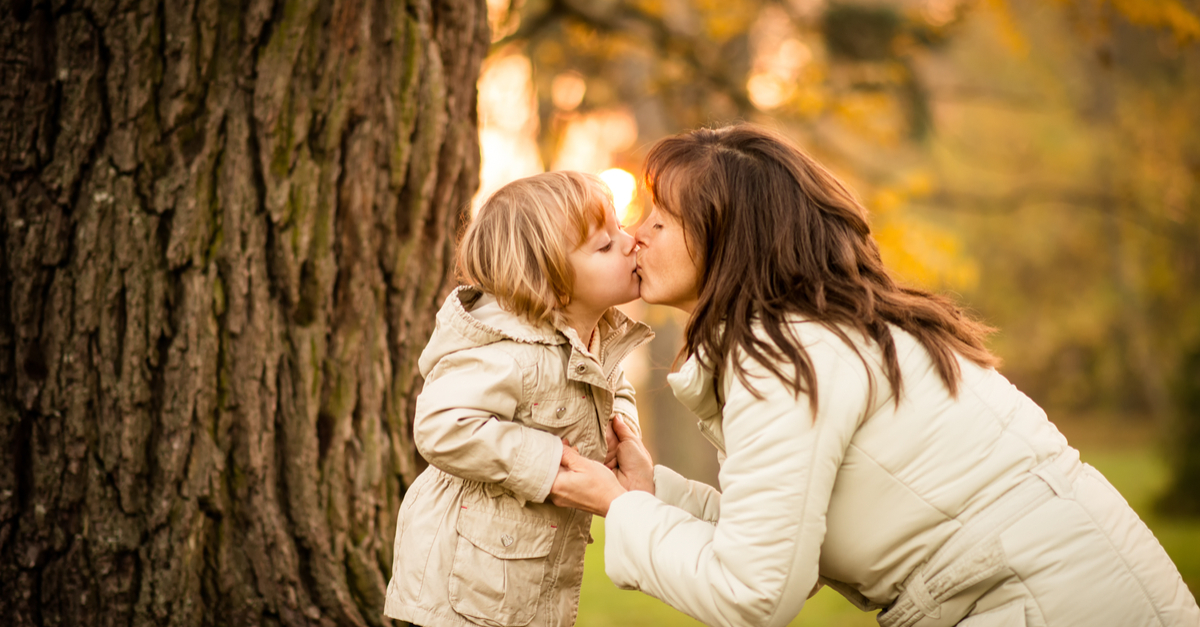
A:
[1005,430]
[804,506]
[558,562]
[799,532]
[820,436]
[521,463]
[1004,426]
[861,367]
[442,528]
[870,405]
[891,475]
[451,616]
[514,352]
[1141,585]
[416,495]
[1031,596]
[523,452]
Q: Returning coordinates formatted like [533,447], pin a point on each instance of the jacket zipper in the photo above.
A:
[711,437]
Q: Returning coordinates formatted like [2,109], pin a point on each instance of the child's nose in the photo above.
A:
[628,244]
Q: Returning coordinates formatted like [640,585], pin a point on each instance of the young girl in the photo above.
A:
[524,358]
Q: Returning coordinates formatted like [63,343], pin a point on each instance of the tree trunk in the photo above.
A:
[226,226]
[1182,497]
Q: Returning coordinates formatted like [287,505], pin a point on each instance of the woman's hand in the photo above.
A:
[584,484]
[634,468]
[591,486]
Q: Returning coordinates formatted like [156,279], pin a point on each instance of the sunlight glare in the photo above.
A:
[502,19]
[767,91]
[508,124]
[780,59]
[624,188]
[567,90]
[591,142]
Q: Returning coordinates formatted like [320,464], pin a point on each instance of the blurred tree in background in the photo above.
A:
[1038,159]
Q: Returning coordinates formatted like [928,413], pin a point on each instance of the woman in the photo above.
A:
[866,441]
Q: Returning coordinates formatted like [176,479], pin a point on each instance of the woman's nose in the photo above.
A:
[637,235]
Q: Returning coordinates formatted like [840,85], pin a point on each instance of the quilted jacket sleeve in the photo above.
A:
[694,497]
[463,425]
[758,564]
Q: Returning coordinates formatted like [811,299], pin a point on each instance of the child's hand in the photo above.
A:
[635,469]
[610,440]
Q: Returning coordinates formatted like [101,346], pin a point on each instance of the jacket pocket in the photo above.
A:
[1011,614]
[499,564]
[563,412]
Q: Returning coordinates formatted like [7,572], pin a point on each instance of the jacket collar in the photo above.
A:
[471,317]
[619,336]
[694,387]
[477,315]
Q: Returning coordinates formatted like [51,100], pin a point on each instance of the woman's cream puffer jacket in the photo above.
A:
[968,510]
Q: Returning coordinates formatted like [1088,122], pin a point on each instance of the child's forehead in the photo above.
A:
[590,223]
[594,210]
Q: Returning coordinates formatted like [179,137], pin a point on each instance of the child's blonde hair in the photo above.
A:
[516,247]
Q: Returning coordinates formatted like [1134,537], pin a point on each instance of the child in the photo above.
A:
[524,358]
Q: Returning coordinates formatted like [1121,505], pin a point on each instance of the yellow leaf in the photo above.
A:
[1169,14]
[1010,34]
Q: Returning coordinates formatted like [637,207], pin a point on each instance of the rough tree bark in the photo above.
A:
[225,226]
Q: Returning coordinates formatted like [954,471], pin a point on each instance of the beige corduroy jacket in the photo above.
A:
[476,541]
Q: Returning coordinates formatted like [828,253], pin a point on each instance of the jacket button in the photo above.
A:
[581,368]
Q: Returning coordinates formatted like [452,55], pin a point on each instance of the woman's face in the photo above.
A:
[670,275]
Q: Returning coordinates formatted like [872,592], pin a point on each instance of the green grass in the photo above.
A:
[1139,473]
[602,604]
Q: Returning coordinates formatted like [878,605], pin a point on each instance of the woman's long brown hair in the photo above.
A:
[775,235]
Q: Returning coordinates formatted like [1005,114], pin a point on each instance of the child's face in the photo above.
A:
[605,268]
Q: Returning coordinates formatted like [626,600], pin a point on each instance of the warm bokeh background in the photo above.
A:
[1037,159]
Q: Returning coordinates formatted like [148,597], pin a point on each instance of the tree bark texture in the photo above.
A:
[225,228]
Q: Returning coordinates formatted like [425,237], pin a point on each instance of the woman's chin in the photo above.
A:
[648,294]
